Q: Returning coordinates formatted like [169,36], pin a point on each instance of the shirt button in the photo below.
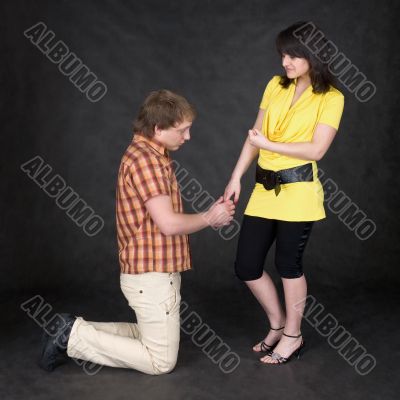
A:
[170,283]
[140,291]
[167,312]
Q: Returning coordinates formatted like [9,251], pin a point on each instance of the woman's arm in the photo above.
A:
[247,156]
[249,152]
[314,150]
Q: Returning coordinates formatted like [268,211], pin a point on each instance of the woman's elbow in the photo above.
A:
[319,154]
[318,157]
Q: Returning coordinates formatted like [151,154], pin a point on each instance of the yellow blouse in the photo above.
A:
[299,201]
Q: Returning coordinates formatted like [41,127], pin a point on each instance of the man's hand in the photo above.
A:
[220,213]
[257,139]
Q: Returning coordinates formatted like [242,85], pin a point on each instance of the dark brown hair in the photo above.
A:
[164,109]
[288,43]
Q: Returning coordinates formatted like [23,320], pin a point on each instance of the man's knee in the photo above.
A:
[165,367]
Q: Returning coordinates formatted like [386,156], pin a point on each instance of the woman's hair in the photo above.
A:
[164,109]
[288,43]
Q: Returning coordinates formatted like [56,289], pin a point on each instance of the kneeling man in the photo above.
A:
[153,250]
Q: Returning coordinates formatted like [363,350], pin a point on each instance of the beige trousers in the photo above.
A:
[151,345]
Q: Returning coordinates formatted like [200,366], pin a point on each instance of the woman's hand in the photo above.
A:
[233,188]
[257,139]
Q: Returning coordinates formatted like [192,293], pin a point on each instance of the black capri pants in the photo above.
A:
[255,239]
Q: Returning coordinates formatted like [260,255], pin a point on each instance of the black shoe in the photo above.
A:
[266,348]
[283,360]
[55,341]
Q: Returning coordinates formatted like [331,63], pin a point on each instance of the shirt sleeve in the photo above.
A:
[267,92]
[332,110]
[148,177]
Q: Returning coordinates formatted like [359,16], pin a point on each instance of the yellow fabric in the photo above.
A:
[299,201]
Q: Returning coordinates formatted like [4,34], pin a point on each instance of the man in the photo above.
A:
[153,250]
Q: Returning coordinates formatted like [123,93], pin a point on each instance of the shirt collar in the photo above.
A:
[152,142]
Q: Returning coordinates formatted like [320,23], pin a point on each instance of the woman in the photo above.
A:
[298,118]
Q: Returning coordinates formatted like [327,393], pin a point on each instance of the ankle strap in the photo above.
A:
[284,334]
[277,329]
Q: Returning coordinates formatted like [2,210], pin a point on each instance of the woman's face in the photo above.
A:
[295,66]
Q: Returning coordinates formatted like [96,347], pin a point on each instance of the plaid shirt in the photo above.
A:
[145,172]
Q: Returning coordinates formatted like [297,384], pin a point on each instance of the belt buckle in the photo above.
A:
[270,180]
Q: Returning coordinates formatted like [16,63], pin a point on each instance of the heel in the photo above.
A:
[298,352]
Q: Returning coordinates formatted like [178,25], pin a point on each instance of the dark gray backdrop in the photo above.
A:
[219,54]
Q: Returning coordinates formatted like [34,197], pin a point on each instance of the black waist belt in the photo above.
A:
[273,179]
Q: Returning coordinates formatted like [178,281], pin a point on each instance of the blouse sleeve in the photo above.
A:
[267,92]
[332,110]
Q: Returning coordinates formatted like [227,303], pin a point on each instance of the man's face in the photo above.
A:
[174,137]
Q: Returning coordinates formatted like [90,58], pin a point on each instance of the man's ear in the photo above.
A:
[157,131]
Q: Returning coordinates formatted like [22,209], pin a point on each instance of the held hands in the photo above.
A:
[257,139]
[220,213]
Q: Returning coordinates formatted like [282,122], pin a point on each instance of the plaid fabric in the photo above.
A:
[145,172]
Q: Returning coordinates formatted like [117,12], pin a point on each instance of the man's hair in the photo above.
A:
[164,109]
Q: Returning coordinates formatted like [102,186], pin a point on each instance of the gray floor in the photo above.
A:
[369,314]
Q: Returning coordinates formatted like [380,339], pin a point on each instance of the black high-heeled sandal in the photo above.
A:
[283,360]
[266,347]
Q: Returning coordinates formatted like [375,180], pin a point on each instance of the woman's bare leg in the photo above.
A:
[295,295]
[265,292]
